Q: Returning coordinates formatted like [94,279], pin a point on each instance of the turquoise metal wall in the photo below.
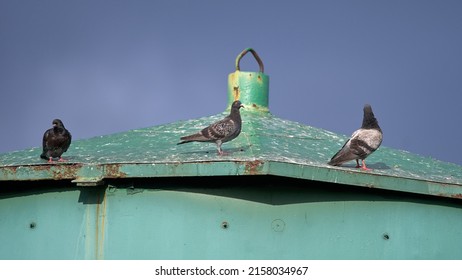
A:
[250,217]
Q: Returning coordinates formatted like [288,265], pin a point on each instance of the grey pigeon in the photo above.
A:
[362,143]
[219,132]
[56,141]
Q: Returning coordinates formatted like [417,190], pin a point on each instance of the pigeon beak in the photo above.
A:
[242,106]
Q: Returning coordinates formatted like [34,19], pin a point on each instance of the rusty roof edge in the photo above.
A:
[81,173]
[113,170]
[366,179]
[94,174]
[357,171]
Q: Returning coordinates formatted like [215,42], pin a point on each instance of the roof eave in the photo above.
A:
[95,174]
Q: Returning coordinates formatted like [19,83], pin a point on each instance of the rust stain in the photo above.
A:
[65,172]
[98,203]
[113,171]
[252,167]
[456,196]
[100,224]
[11,169]
[237,93]
[56,171]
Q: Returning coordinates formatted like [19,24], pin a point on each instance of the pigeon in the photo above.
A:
[56,141]
[221,131]
[362,143]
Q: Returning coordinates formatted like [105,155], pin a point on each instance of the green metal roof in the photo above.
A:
[267,145]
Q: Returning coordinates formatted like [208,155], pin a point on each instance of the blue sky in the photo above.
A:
[110,66]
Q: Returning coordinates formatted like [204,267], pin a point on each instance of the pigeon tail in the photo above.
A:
[192,138]
[342,156]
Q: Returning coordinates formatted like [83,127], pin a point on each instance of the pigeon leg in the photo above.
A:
[357,164]
[61,159]
[364,167]
[50,160]
[220,151]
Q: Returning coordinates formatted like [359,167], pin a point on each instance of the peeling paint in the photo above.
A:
[65,172]
[113,171]
[52,171]
[253,167]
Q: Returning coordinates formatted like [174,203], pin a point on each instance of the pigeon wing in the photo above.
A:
[220,130]
[365,142]
[68,140]
[216,131]
[45,147]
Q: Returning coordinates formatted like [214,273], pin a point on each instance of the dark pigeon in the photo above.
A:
[56,141]
[362,143]
[220,132]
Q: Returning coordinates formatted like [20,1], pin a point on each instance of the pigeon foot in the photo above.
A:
[221,153]
[364,167]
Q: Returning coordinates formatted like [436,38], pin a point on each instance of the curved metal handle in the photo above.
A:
[244,52]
